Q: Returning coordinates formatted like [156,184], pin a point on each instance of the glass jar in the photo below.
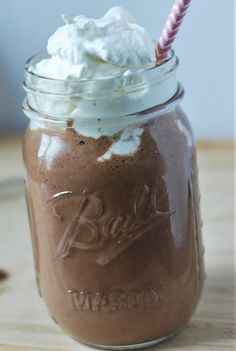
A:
[112,190]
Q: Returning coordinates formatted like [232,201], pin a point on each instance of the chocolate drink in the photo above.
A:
[117,243]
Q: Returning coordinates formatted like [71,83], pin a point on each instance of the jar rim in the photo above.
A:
[117,96]
[164,67]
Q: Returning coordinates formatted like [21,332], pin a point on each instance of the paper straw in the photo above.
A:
[171,29]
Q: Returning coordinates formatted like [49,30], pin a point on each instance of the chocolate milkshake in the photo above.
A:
[113,201]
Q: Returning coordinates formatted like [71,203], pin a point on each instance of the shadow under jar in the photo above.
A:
[116,236]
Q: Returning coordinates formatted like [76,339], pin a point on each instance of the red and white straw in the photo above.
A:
[171,28]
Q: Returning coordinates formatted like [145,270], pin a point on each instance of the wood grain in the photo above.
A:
[24,321]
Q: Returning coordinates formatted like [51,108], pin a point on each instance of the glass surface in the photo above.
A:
[117,243]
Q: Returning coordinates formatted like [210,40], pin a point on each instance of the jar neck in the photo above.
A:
[129,99]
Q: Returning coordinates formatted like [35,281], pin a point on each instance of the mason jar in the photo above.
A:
[113,200]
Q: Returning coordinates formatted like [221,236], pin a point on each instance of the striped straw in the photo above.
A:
[171,28]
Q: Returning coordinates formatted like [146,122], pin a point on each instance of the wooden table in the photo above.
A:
[24,321]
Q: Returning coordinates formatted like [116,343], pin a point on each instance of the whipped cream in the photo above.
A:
[93,51]
[86,48]
[127,143]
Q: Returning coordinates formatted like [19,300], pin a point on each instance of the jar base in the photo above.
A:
[134,346]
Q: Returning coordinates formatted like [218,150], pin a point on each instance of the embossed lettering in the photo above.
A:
[100,302]
[81,301]
[151,297]
[134,297]
[92,223]
[79,223]
[115,300]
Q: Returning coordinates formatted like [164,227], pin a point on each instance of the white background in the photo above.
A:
[205,47]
